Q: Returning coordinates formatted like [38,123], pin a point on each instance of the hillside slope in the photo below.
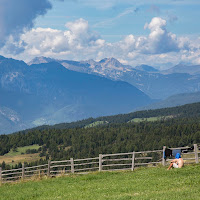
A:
[49,93]
[184,111]
[175,100]
[119,133]
[156,84]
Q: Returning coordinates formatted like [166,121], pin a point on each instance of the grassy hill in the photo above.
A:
[143,183]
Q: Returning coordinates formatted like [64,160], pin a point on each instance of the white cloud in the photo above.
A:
[15,16]
[79,33]
[160,40]
[79,42]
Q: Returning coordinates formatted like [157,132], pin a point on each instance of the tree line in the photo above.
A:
[112,138]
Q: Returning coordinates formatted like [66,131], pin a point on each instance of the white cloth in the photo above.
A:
[175,165]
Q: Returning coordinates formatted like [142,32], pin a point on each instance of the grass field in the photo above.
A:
[150,119]
[144,183]
[14,157]
[97,123]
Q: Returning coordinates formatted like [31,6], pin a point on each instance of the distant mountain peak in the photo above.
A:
[106,60]
[41,59]
[111,63]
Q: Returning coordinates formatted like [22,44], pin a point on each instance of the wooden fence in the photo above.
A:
[105,162]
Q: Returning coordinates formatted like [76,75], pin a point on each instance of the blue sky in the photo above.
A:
[162,33]
[120,18]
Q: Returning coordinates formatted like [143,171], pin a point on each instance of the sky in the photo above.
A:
[160,33]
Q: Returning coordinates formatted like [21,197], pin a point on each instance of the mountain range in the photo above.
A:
[156,84]
[49,93]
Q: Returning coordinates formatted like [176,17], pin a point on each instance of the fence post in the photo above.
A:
[196,153]
[163,158]
[133,162]
[49,168]
[23,171]
[100,162]
[72,165]
[0,176]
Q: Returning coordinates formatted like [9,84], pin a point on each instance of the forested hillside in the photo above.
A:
[118,135]
[188,110]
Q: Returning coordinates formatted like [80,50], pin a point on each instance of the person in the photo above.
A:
[177,162]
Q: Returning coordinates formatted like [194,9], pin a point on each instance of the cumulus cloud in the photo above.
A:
[79,42]
[160,40]
[77,39]
[79,33]
[17,15]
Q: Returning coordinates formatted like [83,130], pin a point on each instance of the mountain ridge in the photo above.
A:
[156,84]
[49,93]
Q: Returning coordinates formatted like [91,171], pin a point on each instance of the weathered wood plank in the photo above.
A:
[56,166]
[119,159]
[76,160]
[11,170]
[60,161]
[90,163]
[187,153]
[196,153]
[36,166]
[163,156]
[133,161]
[154,151]
[23,171]
[72,165]
[49,168]
[143,158]
[116,154]
[110,165]
[100,162]
[179,148]
[60,172]
[37,170]
[11,173]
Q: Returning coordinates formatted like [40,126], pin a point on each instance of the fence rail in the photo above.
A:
[105,162]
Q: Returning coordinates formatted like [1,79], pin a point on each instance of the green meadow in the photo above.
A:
[97,123]
[143,183]
[19,155]
[20,150]
[150,119]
